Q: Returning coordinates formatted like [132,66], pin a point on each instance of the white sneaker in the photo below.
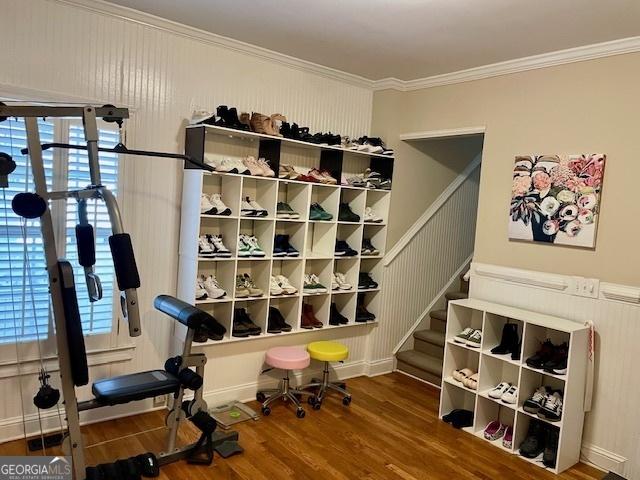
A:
[286,285]
[200,116]
[239,166]
[213,288]
[224,165]
[274,287]
[254,247]
[246,210]
[499,390]
[219,249]
[475,339]
[244,246]
[371,216]
[205,249]
[334,283]
[220,208]
[206,207]
[201,292]
[342,281]
[260,212]
[266,168]
[511,395]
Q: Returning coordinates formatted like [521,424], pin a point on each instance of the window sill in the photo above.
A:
[96,357]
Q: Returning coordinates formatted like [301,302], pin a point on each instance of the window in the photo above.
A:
[71,172]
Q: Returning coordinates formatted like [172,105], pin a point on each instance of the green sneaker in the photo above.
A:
[244,246]
[285,211]
[312,285]
[464,335]
[316,212]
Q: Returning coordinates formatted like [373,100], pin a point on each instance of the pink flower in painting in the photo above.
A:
[561,175]
[541,181]
[590,169]
[521,185]
[573,228]
[575,184]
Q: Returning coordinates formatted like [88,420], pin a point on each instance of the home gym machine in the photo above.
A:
[179,373]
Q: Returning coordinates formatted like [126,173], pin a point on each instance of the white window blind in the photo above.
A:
[97,318]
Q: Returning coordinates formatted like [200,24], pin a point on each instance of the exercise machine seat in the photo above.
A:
[181,311]
[287,358]
[136,386]
[326,351]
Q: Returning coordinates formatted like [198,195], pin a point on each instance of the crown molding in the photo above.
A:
[135,16]
[551,59]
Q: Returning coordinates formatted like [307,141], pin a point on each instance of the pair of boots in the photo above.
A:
[243,326]
[510,342]
[335,317]
[276,322]
[282,247]
[309,319]
[229,118]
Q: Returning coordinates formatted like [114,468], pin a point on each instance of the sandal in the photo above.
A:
[494,431]
[471,382]
[461,375]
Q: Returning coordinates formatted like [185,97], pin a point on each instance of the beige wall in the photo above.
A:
[582,107]
[422,170]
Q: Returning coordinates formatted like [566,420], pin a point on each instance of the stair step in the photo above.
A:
[439,315]
[421,361]
[416,372]
[456,295]
[430,336]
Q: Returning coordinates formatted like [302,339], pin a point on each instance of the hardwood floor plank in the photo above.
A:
[391,431]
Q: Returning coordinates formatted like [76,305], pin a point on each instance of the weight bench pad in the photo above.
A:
[186,314]
[137,386]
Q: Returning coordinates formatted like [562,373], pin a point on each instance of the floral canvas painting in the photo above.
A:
[556,199]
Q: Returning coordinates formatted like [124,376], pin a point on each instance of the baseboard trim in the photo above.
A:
[380,367]
[603,459]
[419,379]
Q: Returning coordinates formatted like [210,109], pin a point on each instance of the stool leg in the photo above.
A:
[338,389]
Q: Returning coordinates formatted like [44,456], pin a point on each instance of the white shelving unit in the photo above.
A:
[534,328]
[315,240]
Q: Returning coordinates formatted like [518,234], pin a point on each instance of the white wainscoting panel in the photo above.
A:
[53,50]
[612,425]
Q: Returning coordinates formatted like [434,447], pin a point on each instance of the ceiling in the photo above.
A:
[406,39]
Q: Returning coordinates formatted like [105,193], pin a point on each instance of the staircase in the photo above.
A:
[425,359]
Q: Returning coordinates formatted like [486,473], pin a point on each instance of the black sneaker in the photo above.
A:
[542,356]
[551,448]
[335,317]
[365,281]
[344,250]
[552,408]
[558,360]
[534,403]
[345,214]
[534,444]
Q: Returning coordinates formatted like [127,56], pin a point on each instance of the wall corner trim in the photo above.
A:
[602,458]
[451,132]
[431,211]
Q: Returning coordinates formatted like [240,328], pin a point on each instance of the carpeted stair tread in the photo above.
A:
[430,336]
[421,361]
[456,295]
[439,314]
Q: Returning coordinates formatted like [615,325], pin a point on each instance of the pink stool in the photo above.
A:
[284,358]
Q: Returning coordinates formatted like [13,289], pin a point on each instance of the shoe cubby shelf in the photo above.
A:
[533,329]
[314,240]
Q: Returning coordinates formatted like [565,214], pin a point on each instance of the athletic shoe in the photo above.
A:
[552,408]
[253,166]
[316,212]
[464,335]
[343,249]
[240,167]
[220,250]
[241,290]
[371,217]
[199,117]
[246,210]
[201,292]
[274,287]
[345,214]
[507,440]
[558,360]
[224,165]
[205,249]
[312,285]
[368,248]
[534,403]
[365,281]
[244,248]
[219,208]
[475,339]
[286,286]
[551,448]
[206,207]
[511,395]
[254,291]
[534,444]
[494,430]
[334,283]
[260,212]
[266,168]
[499,390]
[284,210]
[213,288]
[342,281]
[542,356]
[254,248]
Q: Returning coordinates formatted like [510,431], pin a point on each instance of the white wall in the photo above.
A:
[612,427]
[56,50]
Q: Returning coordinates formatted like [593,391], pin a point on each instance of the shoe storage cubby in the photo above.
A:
[315,240]
[487,412]
[533,329]
[356,199]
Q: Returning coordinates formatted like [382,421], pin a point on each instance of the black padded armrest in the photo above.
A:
[186,314]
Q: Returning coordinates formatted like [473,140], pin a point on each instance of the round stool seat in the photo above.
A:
[287,358]
[325,351]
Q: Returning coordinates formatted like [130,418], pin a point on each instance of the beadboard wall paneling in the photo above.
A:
[425,266]
[54,50]
[611,426]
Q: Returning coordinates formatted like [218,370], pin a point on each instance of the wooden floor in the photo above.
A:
[390,431]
